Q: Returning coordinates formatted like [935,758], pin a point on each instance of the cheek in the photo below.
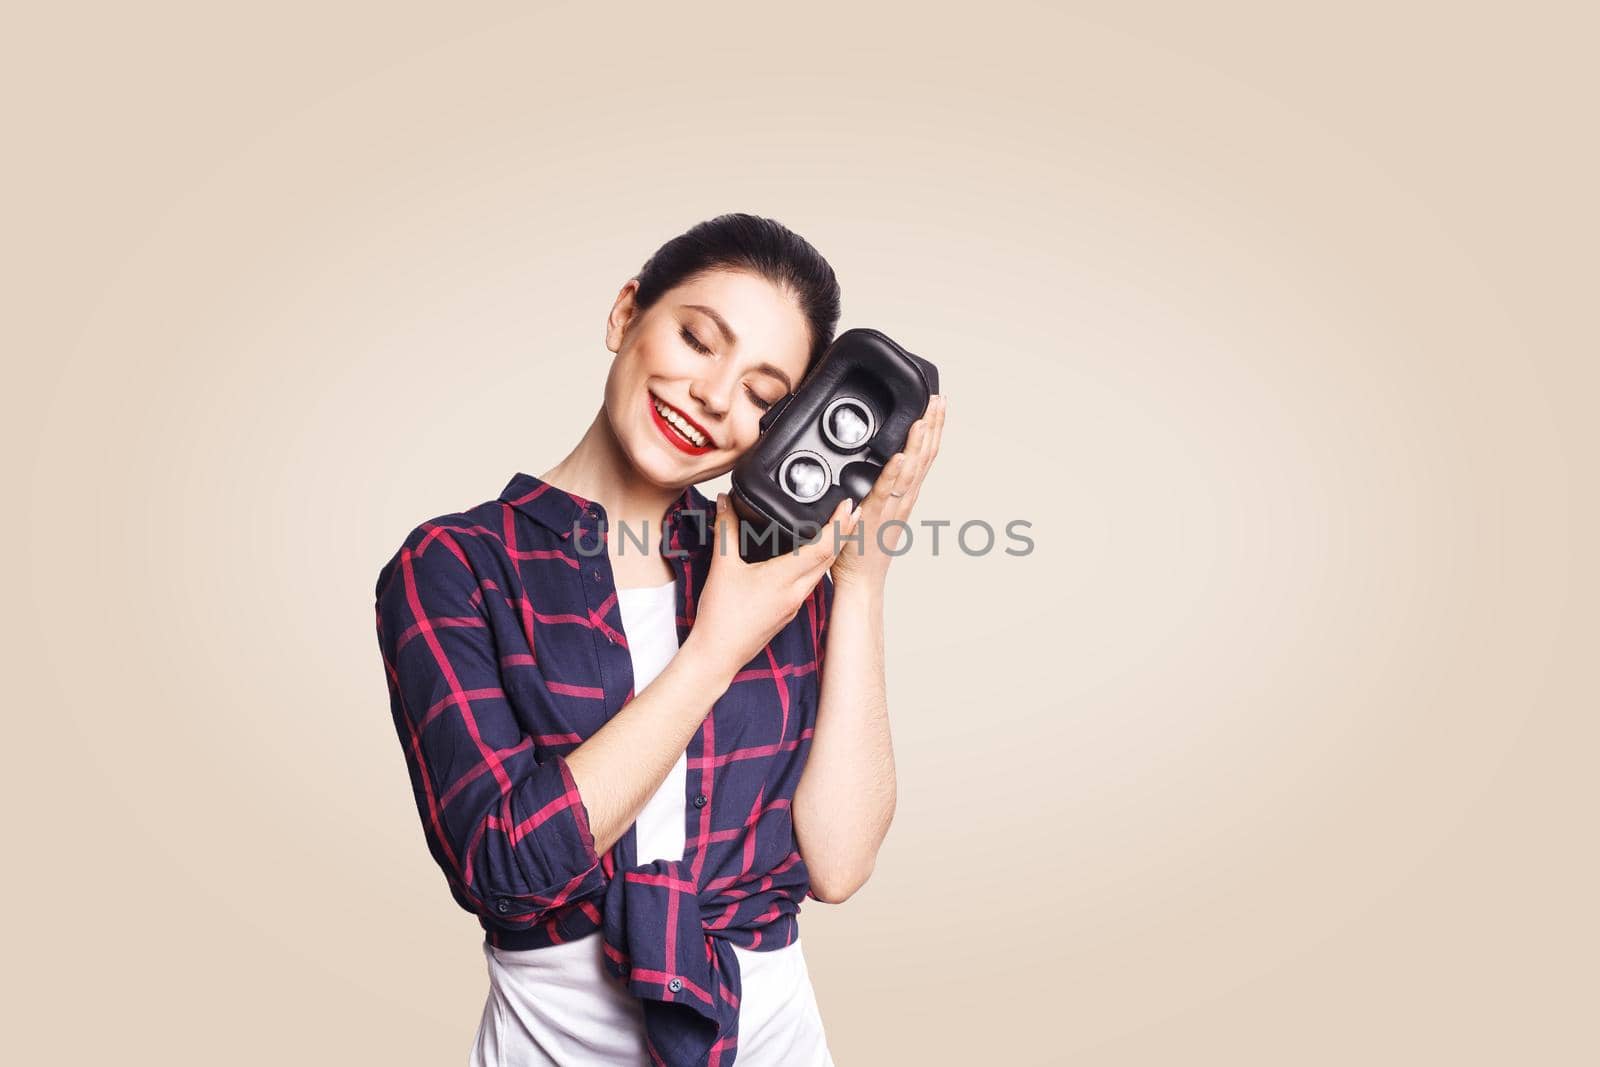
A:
[649,362]
[666,357]
[746,435]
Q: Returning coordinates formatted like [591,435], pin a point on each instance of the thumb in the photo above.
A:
[725,531]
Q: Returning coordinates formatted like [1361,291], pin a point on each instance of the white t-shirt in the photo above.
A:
[557,1006]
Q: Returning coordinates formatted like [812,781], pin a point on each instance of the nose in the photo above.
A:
[714,394]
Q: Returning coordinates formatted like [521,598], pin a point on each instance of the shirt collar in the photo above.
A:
[561,511]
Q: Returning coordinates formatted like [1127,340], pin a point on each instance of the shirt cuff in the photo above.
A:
[580,812]
[554,847]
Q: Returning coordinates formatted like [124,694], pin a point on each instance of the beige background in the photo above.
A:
[1279,328]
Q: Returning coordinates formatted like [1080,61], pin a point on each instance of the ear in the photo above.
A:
[623,313]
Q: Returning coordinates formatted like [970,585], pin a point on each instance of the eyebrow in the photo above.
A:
[733,339]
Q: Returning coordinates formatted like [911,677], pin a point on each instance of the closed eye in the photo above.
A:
[693,341]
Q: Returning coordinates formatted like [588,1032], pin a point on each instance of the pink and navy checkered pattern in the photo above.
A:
[504,649]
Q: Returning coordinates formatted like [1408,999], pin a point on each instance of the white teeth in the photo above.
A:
[695,436]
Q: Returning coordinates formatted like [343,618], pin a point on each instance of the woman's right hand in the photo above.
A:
[743,605]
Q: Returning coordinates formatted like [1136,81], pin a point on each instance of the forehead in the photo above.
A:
[767,320]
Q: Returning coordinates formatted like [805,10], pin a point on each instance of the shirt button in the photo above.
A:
[597,576]
[699,800]
[675,985]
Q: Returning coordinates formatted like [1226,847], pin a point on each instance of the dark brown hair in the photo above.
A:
[762,246]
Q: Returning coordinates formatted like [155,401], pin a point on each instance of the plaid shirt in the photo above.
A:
[503,646]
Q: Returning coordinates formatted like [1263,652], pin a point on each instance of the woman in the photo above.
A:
[628,761]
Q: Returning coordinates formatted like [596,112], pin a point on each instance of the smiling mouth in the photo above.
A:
[680,430]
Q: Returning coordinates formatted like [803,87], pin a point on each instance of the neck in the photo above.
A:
[597,469]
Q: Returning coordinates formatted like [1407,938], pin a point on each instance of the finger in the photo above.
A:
[922,456]
[925,437]
[929,452]
[877,497]
[918,434]
[906,476]
[852,517]
[844,518]
[881,501]
[930,435]
[725,531]
[886,478]
[935,419]
[916,459]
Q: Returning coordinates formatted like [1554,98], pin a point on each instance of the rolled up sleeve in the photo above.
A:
[503,819]
[821,605]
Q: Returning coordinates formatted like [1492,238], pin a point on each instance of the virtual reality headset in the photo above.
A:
[827,440]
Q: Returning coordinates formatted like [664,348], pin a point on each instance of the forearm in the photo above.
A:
[846,796]
[623,763]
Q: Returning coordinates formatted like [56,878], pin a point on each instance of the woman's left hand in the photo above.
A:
[892,498]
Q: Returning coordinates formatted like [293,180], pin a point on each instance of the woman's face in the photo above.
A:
[711,355]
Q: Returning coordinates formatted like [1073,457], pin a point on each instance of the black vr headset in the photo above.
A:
[827,440]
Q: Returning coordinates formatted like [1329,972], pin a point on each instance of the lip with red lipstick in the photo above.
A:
[676,436]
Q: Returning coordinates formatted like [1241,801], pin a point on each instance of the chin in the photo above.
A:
[660,469]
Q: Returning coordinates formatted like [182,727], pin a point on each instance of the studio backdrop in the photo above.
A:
[1271,747]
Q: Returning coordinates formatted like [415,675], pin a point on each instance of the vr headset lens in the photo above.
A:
[804,476]
[847,423]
